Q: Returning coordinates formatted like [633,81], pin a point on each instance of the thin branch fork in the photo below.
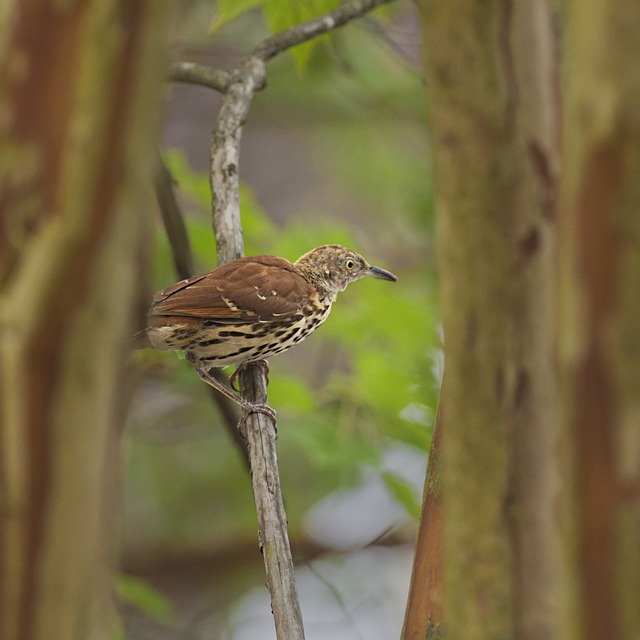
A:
[260,430]
[219,80]
[239,87]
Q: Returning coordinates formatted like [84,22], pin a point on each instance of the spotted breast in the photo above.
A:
[253,308]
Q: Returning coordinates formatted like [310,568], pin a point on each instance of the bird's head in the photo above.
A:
[332,268]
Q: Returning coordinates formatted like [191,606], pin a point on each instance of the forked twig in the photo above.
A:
[239,87]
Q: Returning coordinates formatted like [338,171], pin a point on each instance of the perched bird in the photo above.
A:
[251,309]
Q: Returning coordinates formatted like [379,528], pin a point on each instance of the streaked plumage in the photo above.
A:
[251,309]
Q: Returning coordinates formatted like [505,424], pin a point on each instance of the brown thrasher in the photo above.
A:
[250,309]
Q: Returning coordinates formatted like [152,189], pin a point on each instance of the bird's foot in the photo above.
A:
[263,364]
[247,406]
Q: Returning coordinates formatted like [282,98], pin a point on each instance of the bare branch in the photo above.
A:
[200,74]
[272,519]
[240,88]
[225,157]
[283,40]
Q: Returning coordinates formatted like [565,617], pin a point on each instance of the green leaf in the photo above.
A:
[403,492]
[279,15]
[139,593]
[284,14]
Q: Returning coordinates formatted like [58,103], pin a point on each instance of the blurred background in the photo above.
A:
[335,151]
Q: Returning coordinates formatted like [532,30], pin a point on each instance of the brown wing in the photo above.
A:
[263,288]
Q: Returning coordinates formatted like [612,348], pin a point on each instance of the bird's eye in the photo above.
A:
[349,264]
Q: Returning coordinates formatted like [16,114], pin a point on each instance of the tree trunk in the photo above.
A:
[599,340]
[492,84]
[79,92]
[424,617]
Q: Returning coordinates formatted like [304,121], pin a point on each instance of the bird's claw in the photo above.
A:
[247,406]
[256,407]
[263,364]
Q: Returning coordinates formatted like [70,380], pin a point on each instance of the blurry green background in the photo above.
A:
[335,151]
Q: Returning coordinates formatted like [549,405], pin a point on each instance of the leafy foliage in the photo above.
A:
[279,15]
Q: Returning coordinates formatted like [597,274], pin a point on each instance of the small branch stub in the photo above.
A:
[200,74]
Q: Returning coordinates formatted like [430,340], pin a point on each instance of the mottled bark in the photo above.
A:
[492,86]
[76,83]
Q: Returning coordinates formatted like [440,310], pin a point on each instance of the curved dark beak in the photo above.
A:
[381,274]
